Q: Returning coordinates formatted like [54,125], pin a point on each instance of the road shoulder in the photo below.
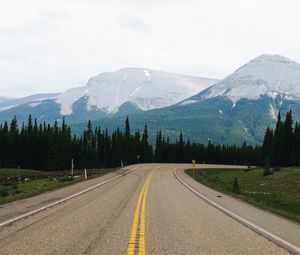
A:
[283,228]
[19,207]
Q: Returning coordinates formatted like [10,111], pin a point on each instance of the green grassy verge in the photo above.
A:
[278,192]
[14,190]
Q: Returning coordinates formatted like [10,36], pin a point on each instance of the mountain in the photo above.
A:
[271,78]
[236,109]
[144,89]
[119,93]
[240,107]
[233,110]
[8,103]
[267,75]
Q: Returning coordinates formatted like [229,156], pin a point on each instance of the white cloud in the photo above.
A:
[53,45]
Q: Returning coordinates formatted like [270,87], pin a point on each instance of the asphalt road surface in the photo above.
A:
[146,211]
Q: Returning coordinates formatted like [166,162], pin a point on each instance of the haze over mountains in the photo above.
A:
[233,110]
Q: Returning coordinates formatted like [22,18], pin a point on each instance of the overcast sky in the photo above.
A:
[53,45]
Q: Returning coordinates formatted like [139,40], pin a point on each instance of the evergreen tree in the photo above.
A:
[267,143]
[277,154]
[287,146]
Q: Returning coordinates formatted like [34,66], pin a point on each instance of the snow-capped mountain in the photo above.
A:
[266,75]
[234,110]
[145,89]
[9,103]
[238,108]
[121,92]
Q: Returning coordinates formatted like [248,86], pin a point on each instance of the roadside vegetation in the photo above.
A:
[277,191]
[16,184]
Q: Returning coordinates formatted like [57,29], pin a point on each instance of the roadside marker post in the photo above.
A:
[85,174]
[72,167]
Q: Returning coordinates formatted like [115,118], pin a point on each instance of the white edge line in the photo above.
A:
[273,238]
[2,224]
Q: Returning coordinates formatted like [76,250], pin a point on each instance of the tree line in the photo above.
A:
[281,146]
[182,151]
[51,147]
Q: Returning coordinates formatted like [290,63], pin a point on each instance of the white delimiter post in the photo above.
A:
[85,174]
[72,167]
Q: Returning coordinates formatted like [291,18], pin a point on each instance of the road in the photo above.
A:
[146,211]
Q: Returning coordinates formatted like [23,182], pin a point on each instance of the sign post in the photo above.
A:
[193,164]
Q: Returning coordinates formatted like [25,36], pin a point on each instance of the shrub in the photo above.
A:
[65,179]
[267,172]
[235,186]
[4,193]
[276,169]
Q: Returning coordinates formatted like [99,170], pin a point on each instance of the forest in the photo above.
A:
[281,146]
[49,147]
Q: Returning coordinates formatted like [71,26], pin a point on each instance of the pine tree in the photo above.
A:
[267,143]
[277,154]
[287,146]
[297,144]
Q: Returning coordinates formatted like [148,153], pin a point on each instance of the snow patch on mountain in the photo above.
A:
[35,104]
[4,108]
[146,89]
[187,102]
[270,75]
[273,112]
[147,74]
[66,100]
[14,102]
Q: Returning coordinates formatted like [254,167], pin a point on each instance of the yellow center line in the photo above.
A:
[137,237]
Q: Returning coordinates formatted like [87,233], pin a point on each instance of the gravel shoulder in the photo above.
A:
[279,226]
[19,207]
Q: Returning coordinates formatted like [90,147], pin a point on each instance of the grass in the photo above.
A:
[278,192]
[18,189]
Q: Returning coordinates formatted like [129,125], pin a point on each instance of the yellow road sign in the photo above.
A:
[193,162]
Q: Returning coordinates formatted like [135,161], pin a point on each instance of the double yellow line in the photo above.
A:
[137,237]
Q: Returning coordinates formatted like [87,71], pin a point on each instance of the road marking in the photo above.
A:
[137,238]
[2,224]
[273,238]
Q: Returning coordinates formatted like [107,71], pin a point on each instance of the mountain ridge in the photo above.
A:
[145,88]
[236,109]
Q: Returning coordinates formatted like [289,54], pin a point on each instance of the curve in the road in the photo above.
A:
[275,239]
